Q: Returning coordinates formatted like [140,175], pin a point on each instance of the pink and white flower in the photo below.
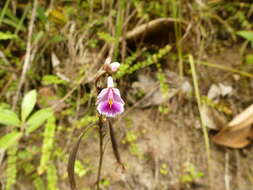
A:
[109,101]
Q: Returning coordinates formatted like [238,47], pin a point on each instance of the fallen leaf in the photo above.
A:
[219,90]
[225,90]
[212,118]
[234,139]
[207,118]
[239,132]
[243,120]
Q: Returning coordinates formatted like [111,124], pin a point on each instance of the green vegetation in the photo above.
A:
[51,51]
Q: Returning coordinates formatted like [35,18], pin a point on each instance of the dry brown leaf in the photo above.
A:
[234,139]
[212,118]
[243,120]
[239,132]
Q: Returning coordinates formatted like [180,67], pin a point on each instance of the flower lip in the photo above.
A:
[109,101]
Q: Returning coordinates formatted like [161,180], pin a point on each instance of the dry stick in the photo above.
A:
[226,175]
[27,55]
[72,158]
[146,27]
[114,144]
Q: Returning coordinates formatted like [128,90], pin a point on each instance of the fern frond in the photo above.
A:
[11,167]
[127,69]
[52,178]
[38,183]
[47,146]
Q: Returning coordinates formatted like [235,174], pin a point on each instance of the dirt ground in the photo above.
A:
[167,151]
[173,143]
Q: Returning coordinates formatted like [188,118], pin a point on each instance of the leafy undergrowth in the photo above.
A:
[184,65]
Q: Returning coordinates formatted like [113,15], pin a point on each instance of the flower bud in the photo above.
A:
[114,66]
[109,67]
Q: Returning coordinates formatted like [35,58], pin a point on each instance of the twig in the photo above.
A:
[147,27]
[28,54]
[226,176]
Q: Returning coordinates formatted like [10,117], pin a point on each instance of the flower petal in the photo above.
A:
[110,82]
[103,95]
[116,96]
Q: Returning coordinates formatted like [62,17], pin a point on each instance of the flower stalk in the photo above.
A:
[109,104]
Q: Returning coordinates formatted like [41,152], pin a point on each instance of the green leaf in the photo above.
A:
[51,79]
[28,104]
[80,169]
[10,139]
[41,14]
[249,59]
[7,36]
[8,117]
[248,35]
[37,119]
[106,37]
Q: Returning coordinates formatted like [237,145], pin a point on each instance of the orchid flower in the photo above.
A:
[109,102]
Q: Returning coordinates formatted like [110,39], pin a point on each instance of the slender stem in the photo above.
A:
[119,27]
[101,150]
[226,68]
[176,13]
[27,55]
[4,11]
[203,126]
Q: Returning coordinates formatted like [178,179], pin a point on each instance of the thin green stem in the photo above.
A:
[226,68]
[20,23]
[203,126]
[176,13]
[119,28]
[4,11]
